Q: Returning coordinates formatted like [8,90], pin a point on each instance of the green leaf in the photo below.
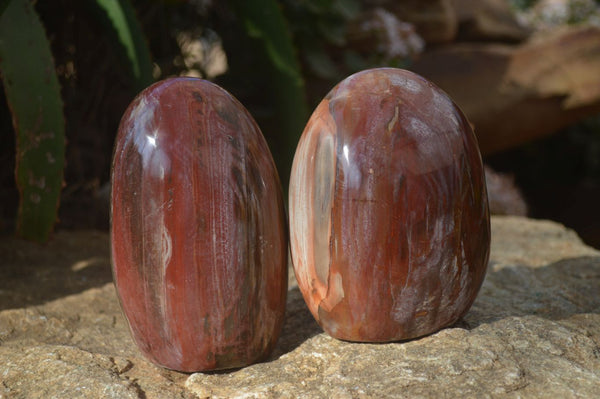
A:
[265,23]
[3,5]
[320,63]
[33,95]
[348,9]
[316,6]
[332,32]
[120,19]
[355,62]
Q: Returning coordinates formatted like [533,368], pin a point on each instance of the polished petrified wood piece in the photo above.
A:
[389,217]
[199,236]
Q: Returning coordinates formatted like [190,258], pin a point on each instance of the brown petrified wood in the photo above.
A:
[199,239]
[389,217]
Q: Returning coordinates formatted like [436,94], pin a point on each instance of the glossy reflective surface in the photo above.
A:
[199,239]
[389,222]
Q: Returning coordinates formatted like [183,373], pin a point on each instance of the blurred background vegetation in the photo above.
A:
[279,58]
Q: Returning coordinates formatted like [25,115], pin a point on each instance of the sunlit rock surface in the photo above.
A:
[533,332]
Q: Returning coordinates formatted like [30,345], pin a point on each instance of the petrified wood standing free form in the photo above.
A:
[389,222]
[199,235]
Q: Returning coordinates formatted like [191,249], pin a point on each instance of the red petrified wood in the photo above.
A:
[389,217]
[199,240]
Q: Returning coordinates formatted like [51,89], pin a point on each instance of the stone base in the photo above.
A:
[534,331]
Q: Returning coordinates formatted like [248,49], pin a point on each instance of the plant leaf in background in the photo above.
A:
[319,28]
[264,21]
[119,16]
[33,95]
[3,5]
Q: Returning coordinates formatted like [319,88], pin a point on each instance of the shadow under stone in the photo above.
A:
[70,263]
[298,326]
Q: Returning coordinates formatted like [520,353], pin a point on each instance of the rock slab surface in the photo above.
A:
[534,331]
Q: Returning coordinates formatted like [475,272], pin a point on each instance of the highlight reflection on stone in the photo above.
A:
[199,236]
[389,222]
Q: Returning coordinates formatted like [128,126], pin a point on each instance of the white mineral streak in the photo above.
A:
[444,106]
[165,314]
[146,139]
[404,305]
[345,88]
[299,192]
[142,121]
[301,211]
[412,85]
[311,204]
[430,152]
[222,265]
[394,119]
[335,292]
[165,259]
[350,168]
[155,164]
[324,178]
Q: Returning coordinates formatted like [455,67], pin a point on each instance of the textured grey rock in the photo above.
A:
[534,331]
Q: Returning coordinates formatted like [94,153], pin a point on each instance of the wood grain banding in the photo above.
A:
[198,229]
[389,221]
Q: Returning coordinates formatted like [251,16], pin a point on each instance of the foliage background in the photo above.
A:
[278,64]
